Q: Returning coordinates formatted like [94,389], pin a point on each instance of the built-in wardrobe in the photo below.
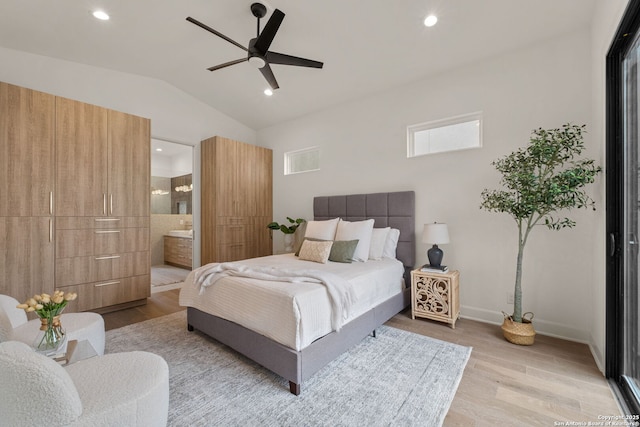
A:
[236,199]
[74,210]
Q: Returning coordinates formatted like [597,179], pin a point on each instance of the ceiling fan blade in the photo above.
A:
[268,74]
[211,30]
[269,32]
[227,64]
[281,58]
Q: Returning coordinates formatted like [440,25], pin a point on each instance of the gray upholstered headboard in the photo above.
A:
[395,210]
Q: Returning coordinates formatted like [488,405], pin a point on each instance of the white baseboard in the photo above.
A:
[542,327]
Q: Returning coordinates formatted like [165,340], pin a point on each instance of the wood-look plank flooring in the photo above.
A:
[503,384]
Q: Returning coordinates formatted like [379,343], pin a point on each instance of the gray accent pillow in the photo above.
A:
[341,250]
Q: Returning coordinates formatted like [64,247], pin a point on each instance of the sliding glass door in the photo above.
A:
[623,140]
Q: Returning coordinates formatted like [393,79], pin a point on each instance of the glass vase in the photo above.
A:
[51,335]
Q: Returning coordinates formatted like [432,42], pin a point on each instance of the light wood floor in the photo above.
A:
[503,384]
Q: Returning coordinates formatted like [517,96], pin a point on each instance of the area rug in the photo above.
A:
[164,275]
[397,378]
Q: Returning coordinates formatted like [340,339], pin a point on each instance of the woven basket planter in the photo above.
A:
[519,333]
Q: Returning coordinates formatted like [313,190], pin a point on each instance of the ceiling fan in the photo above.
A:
[258,52]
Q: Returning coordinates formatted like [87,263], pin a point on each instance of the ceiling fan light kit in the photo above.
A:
[258,53]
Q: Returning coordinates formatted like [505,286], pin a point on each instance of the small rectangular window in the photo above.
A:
[299,161]
[452,134]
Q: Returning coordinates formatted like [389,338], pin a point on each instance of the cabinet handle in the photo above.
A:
[107,219]
[50,230]
[50,202]
[106,231]
[104,203]
[107,257]
[110,204]
[106,284]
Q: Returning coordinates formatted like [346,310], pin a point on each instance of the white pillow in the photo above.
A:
[378,239]
[391,244]
[323,230]
[357,230]
[315,251]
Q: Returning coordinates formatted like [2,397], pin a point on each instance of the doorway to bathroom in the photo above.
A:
[171,214]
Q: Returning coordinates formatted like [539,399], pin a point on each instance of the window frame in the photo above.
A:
[412,130]
[288,159]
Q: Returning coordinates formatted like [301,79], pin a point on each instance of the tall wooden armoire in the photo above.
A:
[236,199]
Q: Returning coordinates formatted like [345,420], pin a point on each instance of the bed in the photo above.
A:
[297,352]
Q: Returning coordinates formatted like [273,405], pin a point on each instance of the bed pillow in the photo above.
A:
[391,243]
[298,237]
[357,230]
[323,230]
[378,240]
[343,250]
[315,251]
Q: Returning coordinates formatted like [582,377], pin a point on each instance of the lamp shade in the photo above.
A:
[435,233]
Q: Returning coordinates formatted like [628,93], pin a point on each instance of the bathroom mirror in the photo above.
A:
[171,178]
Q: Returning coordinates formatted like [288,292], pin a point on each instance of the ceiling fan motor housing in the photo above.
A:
[258,10]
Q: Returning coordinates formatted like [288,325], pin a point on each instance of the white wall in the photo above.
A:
[175,115]
[363,149]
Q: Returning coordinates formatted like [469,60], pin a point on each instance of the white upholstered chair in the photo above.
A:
[119,389]
[14,325]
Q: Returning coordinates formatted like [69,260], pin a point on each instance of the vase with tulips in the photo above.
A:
[49,308]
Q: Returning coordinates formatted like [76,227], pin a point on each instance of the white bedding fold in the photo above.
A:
[340,291]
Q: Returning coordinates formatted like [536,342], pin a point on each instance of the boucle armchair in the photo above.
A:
[14,325]
[119,389]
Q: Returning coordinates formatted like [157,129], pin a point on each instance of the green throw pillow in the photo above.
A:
[343,250]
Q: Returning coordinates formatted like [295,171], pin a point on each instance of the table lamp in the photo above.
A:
[436,234]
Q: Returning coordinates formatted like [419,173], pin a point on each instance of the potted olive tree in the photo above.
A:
[539,180]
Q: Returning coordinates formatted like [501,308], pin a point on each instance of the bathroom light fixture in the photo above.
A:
[101,15]
[430,20]
[268,92]
[184,188]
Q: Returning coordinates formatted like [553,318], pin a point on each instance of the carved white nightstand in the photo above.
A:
[435,296]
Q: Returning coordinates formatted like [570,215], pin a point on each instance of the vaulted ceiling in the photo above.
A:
[366,46]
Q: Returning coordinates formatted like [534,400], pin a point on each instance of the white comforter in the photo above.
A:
[294,311]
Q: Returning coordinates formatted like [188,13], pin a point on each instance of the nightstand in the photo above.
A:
[435,296]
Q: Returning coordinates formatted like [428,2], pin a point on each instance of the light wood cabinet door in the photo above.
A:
[93,296]
[226,179]
[27,137]
[129,165]
[26,256]
[81,146]
[256,173]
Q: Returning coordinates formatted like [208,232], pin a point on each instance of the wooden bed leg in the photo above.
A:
[189,328]
[294,388]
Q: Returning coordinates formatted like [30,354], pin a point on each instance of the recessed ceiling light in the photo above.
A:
[158,149]
[100,14]
[268,92]
[430,20]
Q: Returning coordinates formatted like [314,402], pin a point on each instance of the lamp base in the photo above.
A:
[435,255]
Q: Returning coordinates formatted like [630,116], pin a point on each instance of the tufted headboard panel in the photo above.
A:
[395,210]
